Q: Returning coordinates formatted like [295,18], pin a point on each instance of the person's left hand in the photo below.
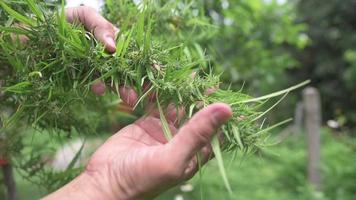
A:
[103,30]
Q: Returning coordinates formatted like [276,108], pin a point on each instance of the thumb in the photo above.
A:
[103,30]
[198,132]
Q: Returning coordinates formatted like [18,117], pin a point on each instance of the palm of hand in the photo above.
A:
[139,150]
[139,163]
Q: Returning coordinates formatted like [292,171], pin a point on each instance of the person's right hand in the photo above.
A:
[138,163]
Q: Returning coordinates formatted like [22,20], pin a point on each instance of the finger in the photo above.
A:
[124,108]
[198,132]
[175,114]
[23,39]
[208,92]
[98,88]
[153,127]
[196,163]
[106,35]
[128,95]
[206,154]
[103,30]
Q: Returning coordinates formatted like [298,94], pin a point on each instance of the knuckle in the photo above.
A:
[104,28]
[202,131]
[84,11]
[87,9]
[109,27]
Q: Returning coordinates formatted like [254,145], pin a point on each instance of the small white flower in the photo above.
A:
[333,124]
[187,188]
[228,21]
[137,2]
[225,4]
[178,197]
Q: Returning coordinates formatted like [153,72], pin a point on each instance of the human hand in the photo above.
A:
[139,163]
[103,30]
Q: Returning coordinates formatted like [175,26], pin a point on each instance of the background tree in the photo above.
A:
[329,60]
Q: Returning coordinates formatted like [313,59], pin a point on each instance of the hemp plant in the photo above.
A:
[46,82]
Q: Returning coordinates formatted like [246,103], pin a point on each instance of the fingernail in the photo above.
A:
[110,41]
[220,116]
[98,88]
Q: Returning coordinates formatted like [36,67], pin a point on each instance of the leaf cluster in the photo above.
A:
[46,80]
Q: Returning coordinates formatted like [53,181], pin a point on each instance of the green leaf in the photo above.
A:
[140,28]
[73,43]
[18,16]
[236,133]
[14,61]
[35,9]
[19,87]
[77,155]
[275,94]
[218,155]
[120,45]
[165,125]
[271,127]
[127,43]
[201,54]
[14,117]
[16,30]
[273,106]
[148,36]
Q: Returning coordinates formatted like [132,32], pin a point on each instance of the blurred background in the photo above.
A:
[265,45]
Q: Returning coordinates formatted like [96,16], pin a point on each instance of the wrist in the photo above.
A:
[85,187]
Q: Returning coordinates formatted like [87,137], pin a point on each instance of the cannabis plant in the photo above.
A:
[45,83]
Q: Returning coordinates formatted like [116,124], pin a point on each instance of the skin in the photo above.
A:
[138,163]
[102,29]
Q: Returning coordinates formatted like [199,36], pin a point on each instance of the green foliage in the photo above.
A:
[252,41]
[32,162]
[46,81]
[279,173]
[50,76]
[329,59]
[276,173]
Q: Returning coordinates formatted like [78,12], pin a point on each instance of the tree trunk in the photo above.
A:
[9,182]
